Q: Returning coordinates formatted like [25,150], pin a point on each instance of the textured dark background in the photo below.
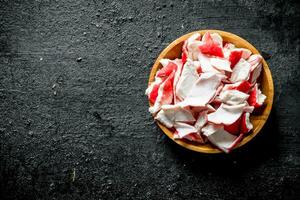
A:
[76,128]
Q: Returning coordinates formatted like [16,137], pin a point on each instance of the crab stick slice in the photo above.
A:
[234,57]
[246,125]
[168,67]
[188,49]
[234,128]
[194,137]
[241,71]
[256,67]
[165,94]
[233,97]
[210,47]
[169,114]
[255,73]
[187,79]
[242,86]
[201,120]
[203,90]
[217,38]
[184,129]
[256,97]
[206,65]
[226,114]
[254,59]
[221,138]
[221,64]
[152,90]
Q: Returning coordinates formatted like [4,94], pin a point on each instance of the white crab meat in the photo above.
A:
[246,53]
[203,90]
[255,59]
[242,86]
[198,109]
[178,62]
[187,79]
[201,120]
[194,137]
[193,49]
[164,62]
[255,73]
[256,67]
[221,138]
[229,46]
[150,88]
[241,71]
[226,114]
[190,46]
[206,65]
[169,114]
[165,94]
[217,38]
[256,97]
[233,97]
[221,64]
[184,129]
[248,108]
[246,125]
[164,119]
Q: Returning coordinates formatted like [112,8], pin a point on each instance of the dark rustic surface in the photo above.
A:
[74,119]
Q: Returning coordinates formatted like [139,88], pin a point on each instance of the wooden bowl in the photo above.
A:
[174,51]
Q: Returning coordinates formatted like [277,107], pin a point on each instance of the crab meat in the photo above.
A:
[184,129]
[254,59]
[198,66]
[201,120]
[169,114]
[248,108]
[194,137]
[255,72]
[234,128]
[199,109]
[226,114]
[221,64]
[206,65]
[256,97]
[163,118]
[234,57]
[165,94]
[152,90]
[242,86]
[217,38]
[241,71]
[246,53]
[229,46]
[203,90]
[210,46]
[256,67]
[221,138]
[233,97]
[187,79]
[246,125]
[176,78]
[193,49]
[168,67]
[227,49]
[190,48]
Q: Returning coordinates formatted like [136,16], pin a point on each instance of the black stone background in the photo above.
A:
[74,120]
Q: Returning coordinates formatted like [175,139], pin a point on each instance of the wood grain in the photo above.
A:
[258,120]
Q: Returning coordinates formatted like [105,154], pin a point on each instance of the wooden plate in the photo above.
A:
[174,51]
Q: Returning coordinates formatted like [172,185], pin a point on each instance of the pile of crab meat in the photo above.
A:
[208,94]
